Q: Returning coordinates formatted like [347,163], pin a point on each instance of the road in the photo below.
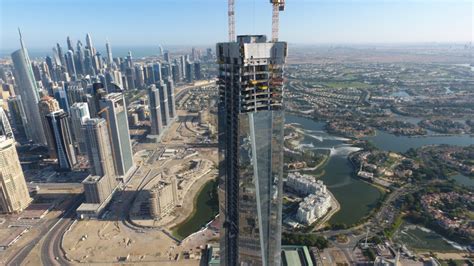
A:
[376,224]
[51,251]
[180,91]
[51,227]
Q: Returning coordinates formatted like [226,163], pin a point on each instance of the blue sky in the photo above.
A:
[204,22]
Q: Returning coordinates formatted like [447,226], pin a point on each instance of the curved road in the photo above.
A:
[51,250]
[51,231]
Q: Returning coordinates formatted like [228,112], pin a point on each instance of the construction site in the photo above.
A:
[160,196]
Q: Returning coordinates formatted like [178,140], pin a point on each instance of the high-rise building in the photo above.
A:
[79,114]
[110,59]
[98,147]
[129,60]
[59,126]
[97,188]
[56,57]
[171,100]
[14,196]
[130,75]
[89,45]
[193,53]
[189,72]
[166,56]
[163,198]
[18,117]
[166,71]
[61,55]
[182,64]
[52,73]
[140,77]
[150,74]
[97,62]
[197,70]
[165,112]
[71,66]
[251,121]
[80,68]
[93,99]
[175,73]
[46,106]
[69,44]
[75,92]
[36,71]
[155,110]
[29,91]
[61,96]
[157,72]
[114,111]
[88,63]
[209,54]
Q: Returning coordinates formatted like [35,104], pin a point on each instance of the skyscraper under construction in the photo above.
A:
[251,122]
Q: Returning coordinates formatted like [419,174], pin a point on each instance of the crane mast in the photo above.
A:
[277,6]
[231,17]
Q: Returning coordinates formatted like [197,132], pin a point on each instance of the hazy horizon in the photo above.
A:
[148,50]
[305,22]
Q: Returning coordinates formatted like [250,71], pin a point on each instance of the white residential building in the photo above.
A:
[305,184]
[317,201]
[313,207]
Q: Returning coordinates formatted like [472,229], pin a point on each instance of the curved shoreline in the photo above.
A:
[316,167]
[321,223]
[174,228]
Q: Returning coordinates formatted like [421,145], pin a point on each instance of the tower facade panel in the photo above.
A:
[251,121]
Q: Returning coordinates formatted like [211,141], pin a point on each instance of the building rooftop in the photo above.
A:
[213,257]
[91,179]
[251,38]
[295,256]
[88,207]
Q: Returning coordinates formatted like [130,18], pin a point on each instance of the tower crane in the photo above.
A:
[231,15]
[277,6]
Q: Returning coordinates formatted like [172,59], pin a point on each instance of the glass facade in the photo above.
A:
[251,123]
[260,187]
[114,111]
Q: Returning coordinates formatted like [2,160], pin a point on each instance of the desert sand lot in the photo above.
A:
[96,241]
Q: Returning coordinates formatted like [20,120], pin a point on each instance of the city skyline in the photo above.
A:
[365,21]
[348,139]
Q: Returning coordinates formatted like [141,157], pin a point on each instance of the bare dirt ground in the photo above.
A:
[107,241]
[333,256]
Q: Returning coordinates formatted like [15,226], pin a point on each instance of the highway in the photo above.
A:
[51,251]
[184,89]
[51,231]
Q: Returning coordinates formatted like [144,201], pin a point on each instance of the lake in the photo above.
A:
[421,238]
[390,142]
[356,197]
[205,209]
[464,180]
